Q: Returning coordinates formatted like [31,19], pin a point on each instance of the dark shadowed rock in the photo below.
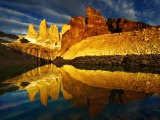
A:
[117,25]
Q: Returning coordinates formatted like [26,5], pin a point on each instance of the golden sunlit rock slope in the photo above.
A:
[146,41]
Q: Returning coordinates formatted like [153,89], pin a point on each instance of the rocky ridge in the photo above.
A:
[93,25]
[117,25]
[138,48]
[46,37]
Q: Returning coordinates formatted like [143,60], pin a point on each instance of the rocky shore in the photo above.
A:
[145,60]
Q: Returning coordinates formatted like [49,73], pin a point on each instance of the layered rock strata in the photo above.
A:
[93,25]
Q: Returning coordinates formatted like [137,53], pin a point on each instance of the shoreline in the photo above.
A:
[144,60]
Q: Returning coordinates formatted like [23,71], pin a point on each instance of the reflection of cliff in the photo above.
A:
[96,98]
[146,82]
[46,72]
[94,89]
[46,88]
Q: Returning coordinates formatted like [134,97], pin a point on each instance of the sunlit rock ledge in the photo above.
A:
[134,48]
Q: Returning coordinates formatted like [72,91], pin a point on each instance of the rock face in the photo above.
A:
[94,24]
[46,36]
[53,34]
[75,34]
[43,31]
[31,32]
[64,29]
[145,42]
[38,53]
[124,25]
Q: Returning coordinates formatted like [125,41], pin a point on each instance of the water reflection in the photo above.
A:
[89,89]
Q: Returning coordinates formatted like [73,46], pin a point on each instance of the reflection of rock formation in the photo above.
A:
[146,82]
[46,72]
[94,89]
[96,98]
[46,88]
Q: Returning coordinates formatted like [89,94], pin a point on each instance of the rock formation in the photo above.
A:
[75,34]
[124,25]
[43,32]
[133,48]
[46,36]
[94,24]
[32,32]
[53,34]
[64,29]
[37,52]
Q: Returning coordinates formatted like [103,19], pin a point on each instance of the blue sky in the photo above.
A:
[16,15]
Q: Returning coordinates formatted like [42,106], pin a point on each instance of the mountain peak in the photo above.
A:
[53,34]
[32,32]
[43,31]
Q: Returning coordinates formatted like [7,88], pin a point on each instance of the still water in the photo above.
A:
[69,93]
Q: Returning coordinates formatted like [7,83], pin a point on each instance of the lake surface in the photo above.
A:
[78,93]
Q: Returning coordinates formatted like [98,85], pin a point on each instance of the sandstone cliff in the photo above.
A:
[94,24]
